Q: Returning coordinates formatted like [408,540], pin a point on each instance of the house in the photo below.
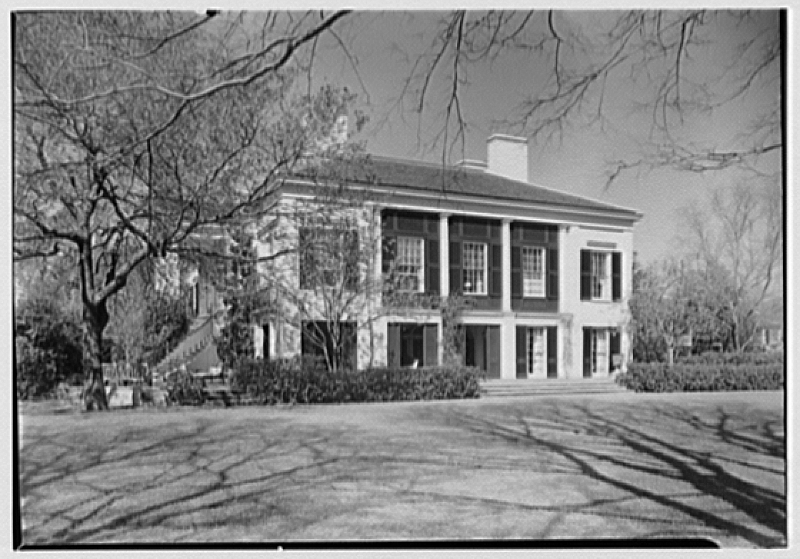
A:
[543,275]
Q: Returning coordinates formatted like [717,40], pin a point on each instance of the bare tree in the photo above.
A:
[672,300]
[740,236]
[671,65]
[138,134]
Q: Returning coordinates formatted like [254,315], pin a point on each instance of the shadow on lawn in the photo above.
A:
[632,444]
[198,485]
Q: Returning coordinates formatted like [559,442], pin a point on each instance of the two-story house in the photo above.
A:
[543,275]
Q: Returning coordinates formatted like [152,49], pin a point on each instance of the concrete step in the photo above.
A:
[549,387]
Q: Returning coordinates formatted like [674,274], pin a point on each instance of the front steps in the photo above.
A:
[549,387]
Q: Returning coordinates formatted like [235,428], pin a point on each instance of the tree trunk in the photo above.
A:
[95,319]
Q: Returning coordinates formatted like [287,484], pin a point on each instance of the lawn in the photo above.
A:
[604,466]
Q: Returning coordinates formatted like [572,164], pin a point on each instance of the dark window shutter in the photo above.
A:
[614,347]
[587,352]
[432,270]
[455,268]
[431,344]
[496,271]
[389,246]
[265,343]
[552,352]
[493,351]
[516,272]
[552,273]
[586,275]
[522,371]
[393,345]
[616,276]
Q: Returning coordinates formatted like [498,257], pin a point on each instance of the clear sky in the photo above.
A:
[385,43]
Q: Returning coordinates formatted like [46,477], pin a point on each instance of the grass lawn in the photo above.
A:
[603,466]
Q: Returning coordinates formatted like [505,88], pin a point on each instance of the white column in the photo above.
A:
[444,256]
[506,239]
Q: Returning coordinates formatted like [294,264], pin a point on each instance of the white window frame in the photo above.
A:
[400,264]
[536,358]
[531,286]
[481,288]
[600,338]
[600,273]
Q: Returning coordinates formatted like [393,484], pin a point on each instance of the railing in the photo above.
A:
[123,374]
[195,341]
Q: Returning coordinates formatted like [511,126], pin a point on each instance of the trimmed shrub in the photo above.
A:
[717,358]
[702,377]
[306,381]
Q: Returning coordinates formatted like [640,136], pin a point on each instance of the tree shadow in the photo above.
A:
[187,479]
[615,449]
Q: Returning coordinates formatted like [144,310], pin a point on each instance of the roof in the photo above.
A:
[431,177]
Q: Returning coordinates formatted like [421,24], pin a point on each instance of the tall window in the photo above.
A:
[532,272]
[410,266]
[475,268]
[599,351]
[535,346]
[327,257]
[601,286]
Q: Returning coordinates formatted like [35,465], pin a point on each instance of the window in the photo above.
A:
[600,275]
[532,272]
[599,351]
[474,271]
[328,256]
[410,267]
[535,351]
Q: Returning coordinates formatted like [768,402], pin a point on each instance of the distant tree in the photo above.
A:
[137,134]
[739,242]
[669,302]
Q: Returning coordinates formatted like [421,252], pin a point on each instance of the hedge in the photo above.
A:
[690,377]
[751,358]
[289,381]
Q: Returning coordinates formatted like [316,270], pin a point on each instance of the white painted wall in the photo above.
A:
[610,314]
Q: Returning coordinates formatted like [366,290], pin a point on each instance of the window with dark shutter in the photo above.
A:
[586,275]
[496,271]
[389,246]
[616,276]
[614,349]
[432,273]
[552,273]
[455,268]
[431,334]
[587,352]
[393,345]
[516,272]
[552,352]
[522,363]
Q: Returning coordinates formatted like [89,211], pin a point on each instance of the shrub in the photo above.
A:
[717,358]
[702,377]
[306,381]
[183,390]
[48,348]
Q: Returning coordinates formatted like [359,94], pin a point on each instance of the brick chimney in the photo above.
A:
[508,156]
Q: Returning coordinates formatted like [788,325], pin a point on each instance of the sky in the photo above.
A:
[383,44]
